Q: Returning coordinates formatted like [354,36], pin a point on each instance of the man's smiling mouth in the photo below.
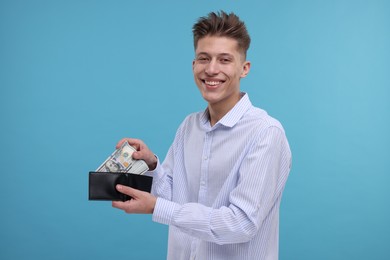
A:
[212,82]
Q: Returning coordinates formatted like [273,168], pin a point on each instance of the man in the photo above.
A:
[220,185]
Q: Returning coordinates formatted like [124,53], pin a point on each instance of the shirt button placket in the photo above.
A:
[204,168]
[194,247]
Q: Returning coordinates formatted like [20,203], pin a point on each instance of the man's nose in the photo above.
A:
[212,68]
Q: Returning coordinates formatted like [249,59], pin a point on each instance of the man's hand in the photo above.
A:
[141,202]
[143,152]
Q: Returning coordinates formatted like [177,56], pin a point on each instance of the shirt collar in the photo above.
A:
[233,116]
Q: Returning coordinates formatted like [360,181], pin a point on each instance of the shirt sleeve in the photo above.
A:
[162,175]
[162,181]
[261,180]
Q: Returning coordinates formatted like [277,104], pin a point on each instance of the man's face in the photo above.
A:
[217,68]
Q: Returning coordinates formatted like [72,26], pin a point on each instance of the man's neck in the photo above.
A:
[219,110]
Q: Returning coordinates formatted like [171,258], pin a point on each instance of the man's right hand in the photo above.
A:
[143,152]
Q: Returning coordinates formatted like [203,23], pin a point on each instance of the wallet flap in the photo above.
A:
[102,185]
[139,182]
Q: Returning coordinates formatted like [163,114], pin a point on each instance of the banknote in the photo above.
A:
[139,167]
[121,160]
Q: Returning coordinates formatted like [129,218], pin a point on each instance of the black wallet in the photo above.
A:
[102,185]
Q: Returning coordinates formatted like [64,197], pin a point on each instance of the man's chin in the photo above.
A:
[211,98]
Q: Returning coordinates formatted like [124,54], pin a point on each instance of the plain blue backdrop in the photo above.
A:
[76,76]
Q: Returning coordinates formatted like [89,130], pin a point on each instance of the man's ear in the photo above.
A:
[193,65]
[246,67]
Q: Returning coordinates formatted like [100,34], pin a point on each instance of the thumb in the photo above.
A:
[126,190]
[137,155]
[147,156]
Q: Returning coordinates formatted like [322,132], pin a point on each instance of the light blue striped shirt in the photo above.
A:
[219,188]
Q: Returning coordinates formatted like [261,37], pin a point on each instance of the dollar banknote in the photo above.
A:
[121,160]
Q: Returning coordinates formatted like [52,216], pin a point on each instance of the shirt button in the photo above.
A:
[205,158]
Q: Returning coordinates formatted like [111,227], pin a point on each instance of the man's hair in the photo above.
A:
[222,24]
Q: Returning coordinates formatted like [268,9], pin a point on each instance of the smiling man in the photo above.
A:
[221,183]
[218,67]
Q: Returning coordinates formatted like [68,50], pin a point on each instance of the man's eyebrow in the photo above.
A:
[226,54]
[202,53]
[218,54]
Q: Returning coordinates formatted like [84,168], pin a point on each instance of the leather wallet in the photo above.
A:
[102,185]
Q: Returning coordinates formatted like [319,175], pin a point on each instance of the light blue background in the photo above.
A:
[76,76]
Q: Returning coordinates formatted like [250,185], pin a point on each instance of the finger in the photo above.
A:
[119,144]
[127,190]
[127,206]
[138,155]
[136,143]
[118,205]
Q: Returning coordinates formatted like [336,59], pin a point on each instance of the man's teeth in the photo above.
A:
[212,83]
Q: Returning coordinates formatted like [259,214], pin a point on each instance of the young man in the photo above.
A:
[220,185]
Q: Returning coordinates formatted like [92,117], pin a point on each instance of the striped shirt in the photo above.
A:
[219,187]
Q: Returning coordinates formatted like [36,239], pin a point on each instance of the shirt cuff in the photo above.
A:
[163,211]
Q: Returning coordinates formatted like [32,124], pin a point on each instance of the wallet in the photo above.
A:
[102,185]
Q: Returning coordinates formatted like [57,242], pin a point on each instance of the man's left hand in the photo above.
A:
[141,202]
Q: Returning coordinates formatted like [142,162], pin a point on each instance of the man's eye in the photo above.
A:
[202,59]
[225,60]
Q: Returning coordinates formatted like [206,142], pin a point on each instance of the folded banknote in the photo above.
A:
[121,160]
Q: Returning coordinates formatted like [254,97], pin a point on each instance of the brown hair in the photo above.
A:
[223,25]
